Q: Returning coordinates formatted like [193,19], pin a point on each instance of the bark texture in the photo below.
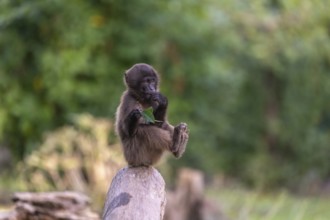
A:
[136,193]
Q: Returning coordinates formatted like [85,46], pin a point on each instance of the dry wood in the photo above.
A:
[51,206]
[136,193]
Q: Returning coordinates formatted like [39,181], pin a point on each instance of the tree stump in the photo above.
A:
[188,202]
[136,193]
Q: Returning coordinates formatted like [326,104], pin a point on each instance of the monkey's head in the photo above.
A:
[142,80]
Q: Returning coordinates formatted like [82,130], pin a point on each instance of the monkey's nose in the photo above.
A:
[152,88]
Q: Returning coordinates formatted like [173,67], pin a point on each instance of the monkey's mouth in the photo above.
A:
[149,95]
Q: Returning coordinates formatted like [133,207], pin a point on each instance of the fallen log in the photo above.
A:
[50,206]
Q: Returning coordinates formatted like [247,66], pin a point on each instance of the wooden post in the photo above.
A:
[136,193]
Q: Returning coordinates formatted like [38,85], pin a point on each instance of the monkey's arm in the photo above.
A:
[128,115]
[159,105]
[132,121]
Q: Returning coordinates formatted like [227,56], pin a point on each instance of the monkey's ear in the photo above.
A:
[125,77]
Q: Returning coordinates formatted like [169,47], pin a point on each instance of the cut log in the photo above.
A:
[136,193]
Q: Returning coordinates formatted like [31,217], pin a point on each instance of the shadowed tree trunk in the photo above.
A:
[188,202]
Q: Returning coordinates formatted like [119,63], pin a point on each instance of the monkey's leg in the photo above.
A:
[180,139]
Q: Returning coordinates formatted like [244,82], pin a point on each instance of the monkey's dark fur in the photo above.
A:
[145,143]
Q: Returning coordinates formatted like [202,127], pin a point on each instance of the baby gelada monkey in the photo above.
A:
[144,142]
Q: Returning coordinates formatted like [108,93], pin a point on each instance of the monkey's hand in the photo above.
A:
[136,114]
[158,101]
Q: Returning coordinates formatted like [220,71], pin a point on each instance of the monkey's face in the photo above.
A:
[148,86]
[142,80]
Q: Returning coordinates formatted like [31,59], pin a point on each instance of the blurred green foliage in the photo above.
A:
[238,203]
[251,78]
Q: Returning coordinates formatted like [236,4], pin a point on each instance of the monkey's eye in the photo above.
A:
[151,80]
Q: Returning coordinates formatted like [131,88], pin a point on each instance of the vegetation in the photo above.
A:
[244,204]
[251,78]
[77,157]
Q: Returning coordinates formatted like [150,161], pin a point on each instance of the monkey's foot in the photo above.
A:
[180,139]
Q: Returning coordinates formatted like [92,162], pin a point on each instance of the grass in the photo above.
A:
[241,204]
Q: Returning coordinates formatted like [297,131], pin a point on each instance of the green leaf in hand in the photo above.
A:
[148,116]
